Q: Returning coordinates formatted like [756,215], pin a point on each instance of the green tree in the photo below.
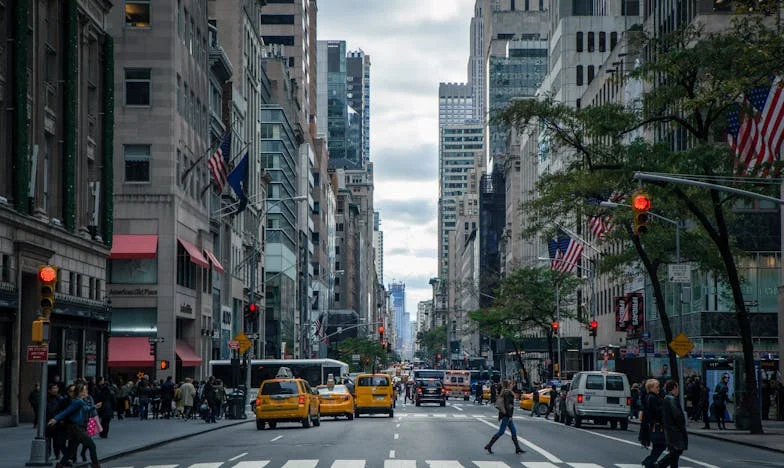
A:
[370,352]
[525,302]
[432,341]
[694,79]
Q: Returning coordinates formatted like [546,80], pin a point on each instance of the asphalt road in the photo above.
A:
[429,436]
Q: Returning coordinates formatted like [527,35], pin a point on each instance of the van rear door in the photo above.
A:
[594,396]
[616,391]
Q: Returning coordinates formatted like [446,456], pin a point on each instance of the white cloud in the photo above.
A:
[413,45]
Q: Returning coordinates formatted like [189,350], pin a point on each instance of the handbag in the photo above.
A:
[93,426]
[500,404]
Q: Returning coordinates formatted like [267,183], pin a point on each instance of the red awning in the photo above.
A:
[128,246]
[194,252]
[215,263]
[186,354]
[130,351]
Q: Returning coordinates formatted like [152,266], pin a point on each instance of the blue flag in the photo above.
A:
[238,180]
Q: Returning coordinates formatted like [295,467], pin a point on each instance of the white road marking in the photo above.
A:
[162,466]
[397,425]
[301,464]
[207,465]
[533,446]
[627,465]
[276,438]
[391,454]
[444,464]
[238,456]
[255,464]
[348,464]
[397,436]
[490,464]
[399,463]
[589,465]
[539,465]
[457,407]
[461,415]
[439,415]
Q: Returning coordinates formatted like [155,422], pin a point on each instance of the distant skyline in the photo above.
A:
[413,46]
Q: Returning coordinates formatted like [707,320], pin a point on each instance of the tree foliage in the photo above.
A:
[370,352]
[432,341]
[692,80]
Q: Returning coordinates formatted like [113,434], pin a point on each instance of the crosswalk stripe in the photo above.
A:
[439,415]
[301,464]
[539,465]
[589,465]
[490,464]
[627,465]
[444,464]
[162,466]
[252,464]
[399,463]
[348,464]
[207,465]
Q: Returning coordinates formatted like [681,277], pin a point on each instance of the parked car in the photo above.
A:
[599,396]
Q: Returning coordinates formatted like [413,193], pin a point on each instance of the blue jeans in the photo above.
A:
[507,421]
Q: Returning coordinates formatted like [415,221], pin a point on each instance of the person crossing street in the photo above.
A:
[505,405]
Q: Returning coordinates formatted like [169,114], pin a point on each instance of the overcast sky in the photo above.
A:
[413,45]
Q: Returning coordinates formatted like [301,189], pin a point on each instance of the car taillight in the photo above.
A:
[419,390]
[579,398]
[258,401]
[302,399]
[443,390]
[346,397]
[628,401]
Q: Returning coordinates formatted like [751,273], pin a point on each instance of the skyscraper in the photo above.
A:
[358,97]
[398,293]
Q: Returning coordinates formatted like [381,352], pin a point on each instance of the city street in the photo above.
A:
[432,436]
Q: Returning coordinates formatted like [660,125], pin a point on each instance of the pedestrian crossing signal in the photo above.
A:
[164,364]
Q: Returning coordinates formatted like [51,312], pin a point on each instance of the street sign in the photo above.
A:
[234,344]
[355,357]
[679,273]
[155,339]
[37,353]
[681,345]
[243,341]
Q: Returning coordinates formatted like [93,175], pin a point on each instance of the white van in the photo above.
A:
[599,396]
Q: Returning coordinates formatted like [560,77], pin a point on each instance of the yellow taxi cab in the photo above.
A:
[527,400]
[374,394]
[486,392]
[335,400]
[286,399]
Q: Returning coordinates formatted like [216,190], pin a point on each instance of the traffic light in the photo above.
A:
[381,333]
[251,311]
[153,348]
[47,278]
[641,204]
[384,345]
[554,327]
[163,365]
[592,327]
[438,356]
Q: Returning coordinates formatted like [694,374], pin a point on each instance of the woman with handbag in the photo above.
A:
[505,405]
[78,419]
[652,424]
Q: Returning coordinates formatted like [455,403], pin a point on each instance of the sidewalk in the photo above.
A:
[772,439]
[125,436]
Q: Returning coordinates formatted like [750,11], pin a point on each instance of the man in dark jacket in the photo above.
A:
[167,396]
[106,393]
[55,435]
[674,427]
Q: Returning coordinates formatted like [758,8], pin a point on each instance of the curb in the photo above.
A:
[725,439]
[151,445]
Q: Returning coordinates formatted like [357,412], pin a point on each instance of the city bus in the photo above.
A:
[315,371]
[428,374]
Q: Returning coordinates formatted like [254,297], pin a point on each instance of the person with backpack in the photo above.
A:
[76,416]
[505,405]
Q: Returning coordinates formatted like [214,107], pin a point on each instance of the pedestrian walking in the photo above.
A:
[167,396]
[535,408]
[704,405]
[551,405]
[635,407]
[55,437]
[407,397]
[478,391]
[34,397]
[76,416]
[187,394]
[652,424]
[505,406]
[674,427]
[720,400]
[107,396]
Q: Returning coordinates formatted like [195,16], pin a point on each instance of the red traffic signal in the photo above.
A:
[47,274]
[641,201]
[381,329]
[554,326]
[593,326]
[438,356]
[253,308]
[641,204]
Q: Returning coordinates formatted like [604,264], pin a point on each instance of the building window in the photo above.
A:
[137,163]
[579,41]
[133,271]
[337,266]
[186,270]
[277,19]
[591,71]
[5,277]
[613,40]
[602,41]
[340,227]
[137,13]
[282,40]
[137,86]
[590,42]
[579,75]
[337,297]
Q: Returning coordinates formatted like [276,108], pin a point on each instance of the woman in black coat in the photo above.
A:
[107,395]
[652,424]
[674,426]
[506,398]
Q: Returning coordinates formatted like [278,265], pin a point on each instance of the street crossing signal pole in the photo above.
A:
[47,278]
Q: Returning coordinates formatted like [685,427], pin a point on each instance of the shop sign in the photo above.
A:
[133,292]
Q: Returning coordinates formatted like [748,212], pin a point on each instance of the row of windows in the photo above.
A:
[592,42]
[191,36]
[579,71]
[191,108]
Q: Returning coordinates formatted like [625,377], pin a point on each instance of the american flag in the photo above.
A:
[571,250]
[319,331]
[217,161]
[769,102]
[603,223]
[555,254]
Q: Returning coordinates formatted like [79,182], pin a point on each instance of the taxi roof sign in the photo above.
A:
[284,373]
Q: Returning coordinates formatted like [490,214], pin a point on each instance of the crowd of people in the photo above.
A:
[70,408]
